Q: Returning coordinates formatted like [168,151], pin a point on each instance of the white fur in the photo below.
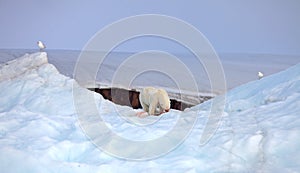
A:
[154,101]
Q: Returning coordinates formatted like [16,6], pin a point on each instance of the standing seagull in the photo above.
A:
[260,75]
[41,45]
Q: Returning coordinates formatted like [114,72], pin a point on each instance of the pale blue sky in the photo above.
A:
[247,26]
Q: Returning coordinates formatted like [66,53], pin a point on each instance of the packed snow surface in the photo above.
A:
[40,132]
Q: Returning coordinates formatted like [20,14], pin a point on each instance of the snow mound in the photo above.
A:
[17,67]
[40,132]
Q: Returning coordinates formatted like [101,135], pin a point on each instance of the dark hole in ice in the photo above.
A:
[131,98]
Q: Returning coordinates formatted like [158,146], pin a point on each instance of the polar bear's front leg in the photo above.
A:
[153,104]
[145,107]
[152,109]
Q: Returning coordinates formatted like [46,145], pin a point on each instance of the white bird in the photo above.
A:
[41,45]
[260,75]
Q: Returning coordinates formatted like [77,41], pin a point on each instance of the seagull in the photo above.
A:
[260,75]
[41,45]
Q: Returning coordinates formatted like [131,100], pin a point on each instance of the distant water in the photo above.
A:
[238,68]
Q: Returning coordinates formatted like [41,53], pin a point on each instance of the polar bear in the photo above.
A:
[154,101]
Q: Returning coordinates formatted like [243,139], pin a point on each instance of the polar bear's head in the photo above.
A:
[163,100]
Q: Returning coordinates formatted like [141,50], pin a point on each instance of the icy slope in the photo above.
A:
[40,132]
[261,125]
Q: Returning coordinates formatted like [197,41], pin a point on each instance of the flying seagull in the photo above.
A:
[260,75]
[41,45]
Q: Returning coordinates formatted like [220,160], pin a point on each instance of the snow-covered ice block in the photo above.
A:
[19,66]
[40,132]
